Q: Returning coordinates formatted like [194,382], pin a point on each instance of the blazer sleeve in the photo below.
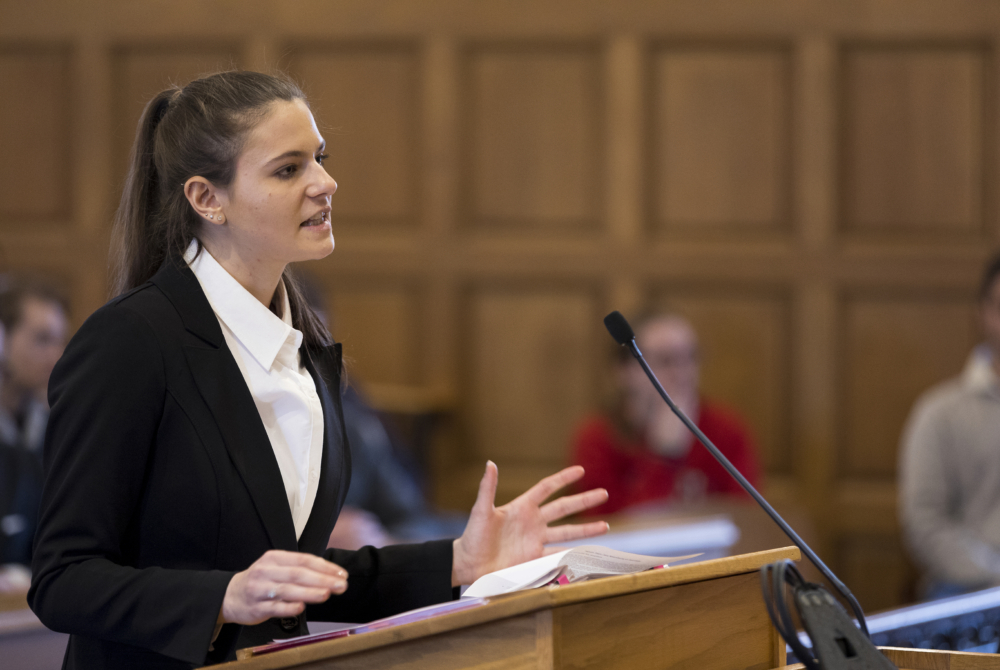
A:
[386,581]
[107,395]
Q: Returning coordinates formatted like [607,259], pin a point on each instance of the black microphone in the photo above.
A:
[623,334]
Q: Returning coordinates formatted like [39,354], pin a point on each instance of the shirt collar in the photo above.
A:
[979,374]
[256,327]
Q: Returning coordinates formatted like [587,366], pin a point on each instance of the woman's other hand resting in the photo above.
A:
[280,584]
[498,537]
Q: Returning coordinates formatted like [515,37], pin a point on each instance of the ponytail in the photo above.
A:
[136,253]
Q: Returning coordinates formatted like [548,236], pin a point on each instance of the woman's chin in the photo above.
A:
[319,249]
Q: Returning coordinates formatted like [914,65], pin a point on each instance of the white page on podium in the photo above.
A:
[577,564]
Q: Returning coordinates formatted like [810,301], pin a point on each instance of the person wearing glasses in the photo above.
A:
[639,451]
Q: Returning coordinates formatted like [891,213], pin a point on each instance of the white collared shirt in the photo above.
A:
[266,349]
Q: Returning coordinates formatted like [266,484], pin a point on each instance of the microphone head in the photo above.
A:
[619,328]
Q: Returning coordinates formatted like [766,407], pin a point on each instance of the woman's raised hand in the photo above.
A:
[280,584]
[498,537]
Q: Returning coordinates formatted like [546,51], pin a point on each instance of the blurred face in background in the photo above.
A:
[670,346]
[989,316]
[34,344]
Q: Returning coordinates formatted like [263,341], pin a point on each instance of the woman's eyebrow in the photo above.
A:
[296,153]
[287,154]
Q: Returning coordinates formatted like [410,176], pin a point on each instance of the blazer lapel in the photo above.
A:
[335,474]
[224,390]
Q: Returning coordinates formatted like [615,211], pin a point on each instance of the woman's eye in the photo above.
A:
[286,172]
[322,158]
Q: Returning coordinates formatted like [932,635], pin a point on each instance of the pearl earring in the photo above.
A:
[222,219]
[210,216]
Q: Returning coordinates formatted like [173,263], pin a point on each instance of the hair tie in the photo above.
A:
[164,104]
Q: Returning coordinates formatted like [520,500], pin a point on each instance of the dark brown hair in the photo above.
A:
[197,130]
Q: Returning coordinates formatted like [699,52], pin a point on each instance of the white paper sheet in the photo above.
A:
[577,564]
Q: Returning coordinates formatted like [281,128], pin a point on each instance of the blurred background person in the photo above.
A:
[385,502]
[20,492]
[34,315]
[950,466]
[639,451]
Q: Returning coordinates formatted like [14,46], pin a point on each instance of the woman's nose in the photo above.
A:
[323,185]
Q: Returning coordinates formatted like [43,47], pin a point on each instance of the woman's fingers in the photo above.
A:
[267,609]
[303,569]
[291,593]
[567,505]
[294,558]
[280,583]
[579,531]
[538,493]
[487,489]
[301,577]
[280,609]
[260,611]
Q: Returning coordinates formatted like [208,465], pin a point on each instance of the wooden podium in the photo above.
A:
[707,615]
[704,615]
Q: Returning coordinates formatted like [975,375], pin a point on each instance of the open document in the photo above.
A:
[566,567]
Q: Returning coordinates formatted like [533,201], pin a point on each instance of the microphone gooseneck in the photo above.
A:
[623,334]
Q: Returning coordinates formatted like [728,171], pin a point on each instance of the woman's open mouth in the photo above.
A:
[318,220]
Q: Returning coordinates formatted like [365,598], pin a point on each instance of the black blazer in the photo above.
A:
[161,484]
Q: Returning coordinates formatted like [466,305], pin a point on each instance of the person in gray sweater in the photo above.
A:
[950,467]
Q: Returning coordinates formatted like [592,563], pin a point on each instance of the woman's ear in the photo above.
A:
[206,199]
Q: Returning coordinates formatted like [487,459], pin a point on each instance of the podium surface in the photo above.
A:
[707,615]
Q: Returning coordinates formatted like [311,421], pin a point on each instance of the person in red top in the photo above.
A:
[640,452]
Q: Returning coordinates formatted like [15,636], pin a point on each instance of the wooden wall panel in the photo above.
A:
[379,324]
[721,129]
[531,371]
[366,101]
[915,137]
[744,337]
[895,347]
[534,130]
[874,565]
[140,72]
[35,180]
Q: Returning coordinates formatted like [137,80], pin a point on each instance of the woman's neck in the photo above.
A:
[257,276]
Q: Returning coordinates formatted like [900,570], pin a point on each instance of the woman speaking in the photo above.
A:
[196,458]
